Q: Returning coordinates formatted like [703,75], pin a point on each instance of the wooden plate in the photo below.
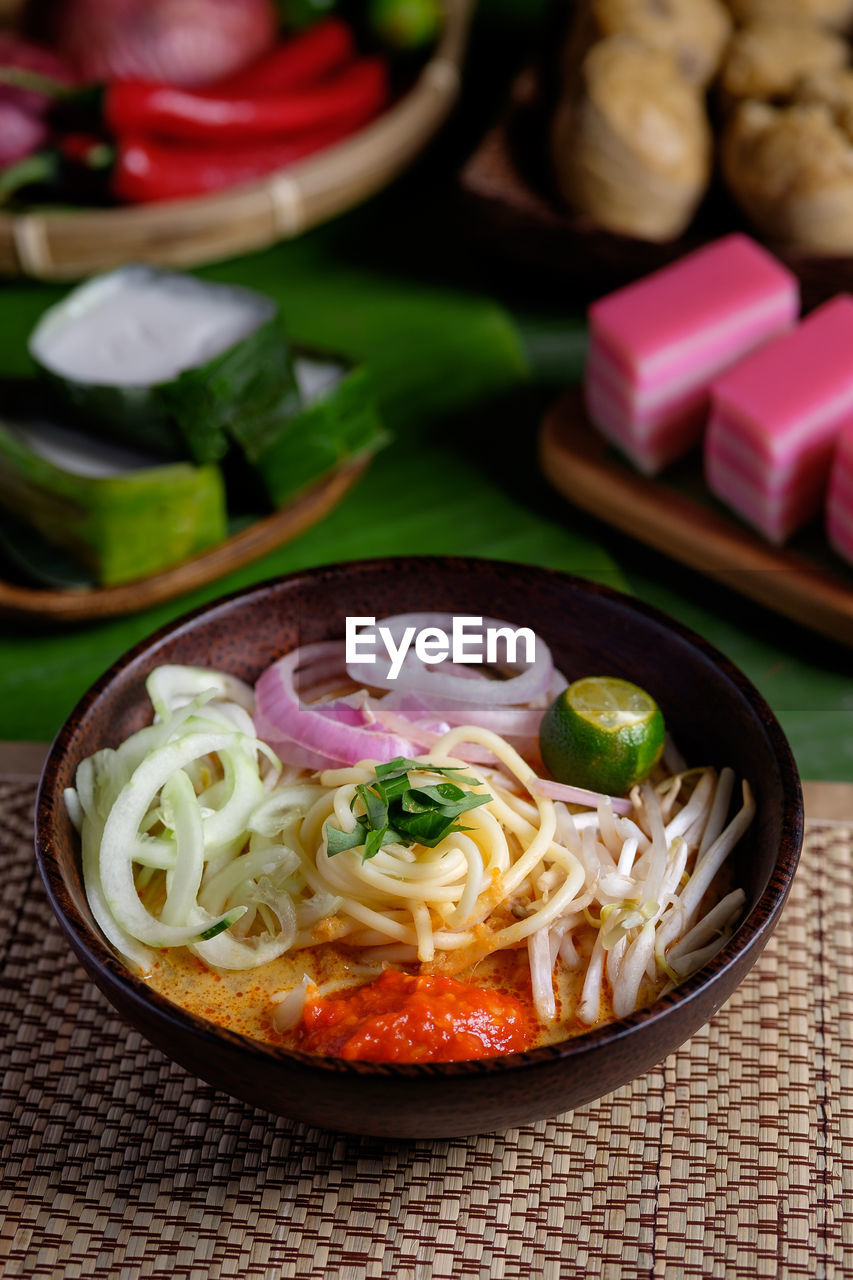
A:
[240,549]
[66,245]
[682,522]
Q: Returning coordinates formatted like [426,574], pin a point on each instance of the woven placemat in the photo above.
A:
[732,1158]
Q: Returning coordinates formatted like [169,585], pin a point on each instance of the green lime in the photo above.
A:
[405,24]
[602,733]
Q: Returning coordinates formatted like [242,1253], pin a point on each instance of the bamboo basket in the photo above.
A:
[67,245]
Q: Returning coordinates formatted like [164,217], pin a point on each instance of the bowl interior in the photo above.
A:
[713,712]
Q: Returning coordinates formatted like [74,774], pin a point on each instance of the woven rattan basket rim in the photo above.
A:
[66,245]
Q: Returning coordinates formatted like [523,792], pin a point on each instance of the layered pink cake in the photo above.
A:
[654,345]
[839,500]
[775,418]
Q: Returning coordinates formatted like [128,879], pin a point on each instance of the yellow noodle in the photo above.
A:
[431,898]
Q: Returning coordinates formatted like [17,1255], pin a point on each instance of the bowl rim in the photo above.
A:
[99,957]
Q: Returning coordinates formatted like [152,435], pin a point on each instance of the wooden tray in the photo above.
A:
[240,549]
[66,245]
[581,465]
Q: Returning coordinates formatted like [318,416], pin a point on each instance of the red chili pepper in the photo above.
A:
[294,63]
[147,170]
[349,98]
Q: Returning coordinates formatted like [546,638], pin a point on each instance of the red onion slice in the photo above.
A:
[319,664]
[508,721]
[290,752]
[532,680]
[304,715]
[286,720]
[423,738]
[579,795]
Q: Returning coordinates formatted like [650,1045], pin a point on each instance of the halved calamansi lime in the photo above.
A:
[602,733]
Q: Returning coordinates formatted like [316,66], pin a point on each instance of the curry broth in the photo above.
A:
[245,1001]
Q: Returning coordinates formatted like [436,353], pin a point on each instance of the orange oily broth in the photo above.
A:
[245,1001]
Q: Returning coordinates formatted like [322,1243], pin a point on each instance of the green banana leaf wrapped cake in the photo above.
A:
[168,362]
[117,513]
[170,399]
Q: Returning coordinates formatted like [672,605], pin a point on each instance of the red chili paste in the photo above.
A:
[401,1017]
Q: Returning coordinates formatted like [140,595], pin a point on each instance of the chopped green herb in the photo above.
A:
[396,811]
[375,807]
[338,841]
[401,767]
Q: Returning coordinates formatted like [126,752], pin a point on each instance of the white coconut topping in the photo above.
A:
[139,327]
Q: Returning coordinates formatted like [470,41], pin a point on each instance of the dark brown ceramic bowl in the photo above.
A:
[714,713]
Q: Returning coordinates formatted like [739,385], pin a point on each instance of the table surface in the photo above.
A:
[465,365]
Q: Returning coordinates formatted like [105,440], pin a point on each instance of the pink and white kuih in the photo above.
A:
[711,351]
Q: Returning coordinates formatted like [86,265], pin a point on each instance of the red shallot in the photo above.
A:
[20,55]
[24,105]
[180,42]
[20,133]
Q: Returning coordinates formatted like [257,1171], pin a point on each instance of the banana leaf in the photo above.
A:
[338,425]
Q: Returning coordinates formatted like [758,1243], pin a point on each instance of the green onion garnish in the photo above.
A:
[398,811]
